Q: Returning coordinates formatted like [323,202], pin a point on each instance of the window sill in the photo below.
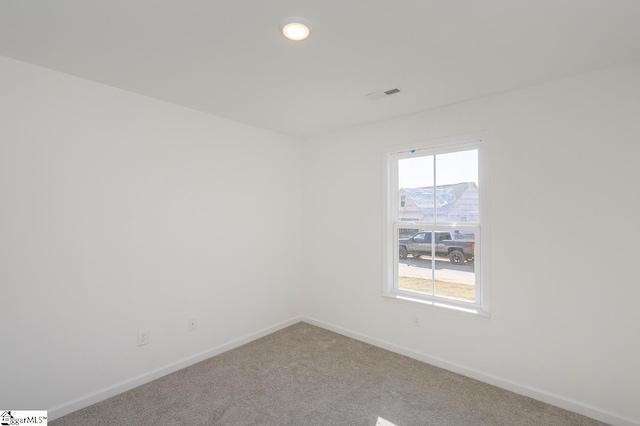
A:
[452,307]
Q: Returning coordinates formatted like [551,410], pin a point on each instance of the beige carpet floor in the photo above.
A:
[305,375]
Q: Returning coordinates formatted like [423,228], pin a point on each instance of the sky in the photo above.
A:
[454,167]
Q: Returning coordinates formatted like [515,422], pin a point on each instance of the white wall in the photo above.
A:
[565,292]
[120,213]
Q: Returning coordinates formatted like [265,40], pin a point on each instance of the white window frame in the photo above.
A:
[391,155]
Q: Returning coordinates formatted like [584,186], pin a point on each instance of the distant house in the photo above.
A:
[456,203]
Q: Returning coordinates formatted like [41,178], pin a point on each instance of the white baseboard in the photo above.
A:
[113,390]
[538,394]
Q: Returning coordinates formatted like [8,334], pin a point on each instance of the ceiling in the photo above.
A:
[227,57]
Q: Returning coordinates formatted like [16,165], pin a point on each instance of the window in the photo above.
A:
[436,222]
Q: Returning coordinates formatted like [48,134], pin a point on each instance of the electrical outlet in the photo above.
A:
[193,323]
[415,320]
[143,337]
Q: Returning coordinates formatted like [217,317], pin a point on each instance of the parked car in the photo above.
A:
[458,247]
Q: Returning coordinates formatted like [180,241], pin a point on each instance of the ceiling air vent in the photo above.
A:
[382,94]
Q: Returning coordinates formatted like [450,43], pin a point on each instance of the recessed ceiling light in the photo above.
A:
[295,28]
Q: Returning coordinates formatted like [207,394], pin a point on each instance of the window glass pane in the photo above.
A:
[415,179]
[457,187]
[414,264]
[455,268]
[435,222]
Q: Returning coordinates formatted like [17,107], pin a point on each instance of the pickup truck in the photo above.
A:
[458,247]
